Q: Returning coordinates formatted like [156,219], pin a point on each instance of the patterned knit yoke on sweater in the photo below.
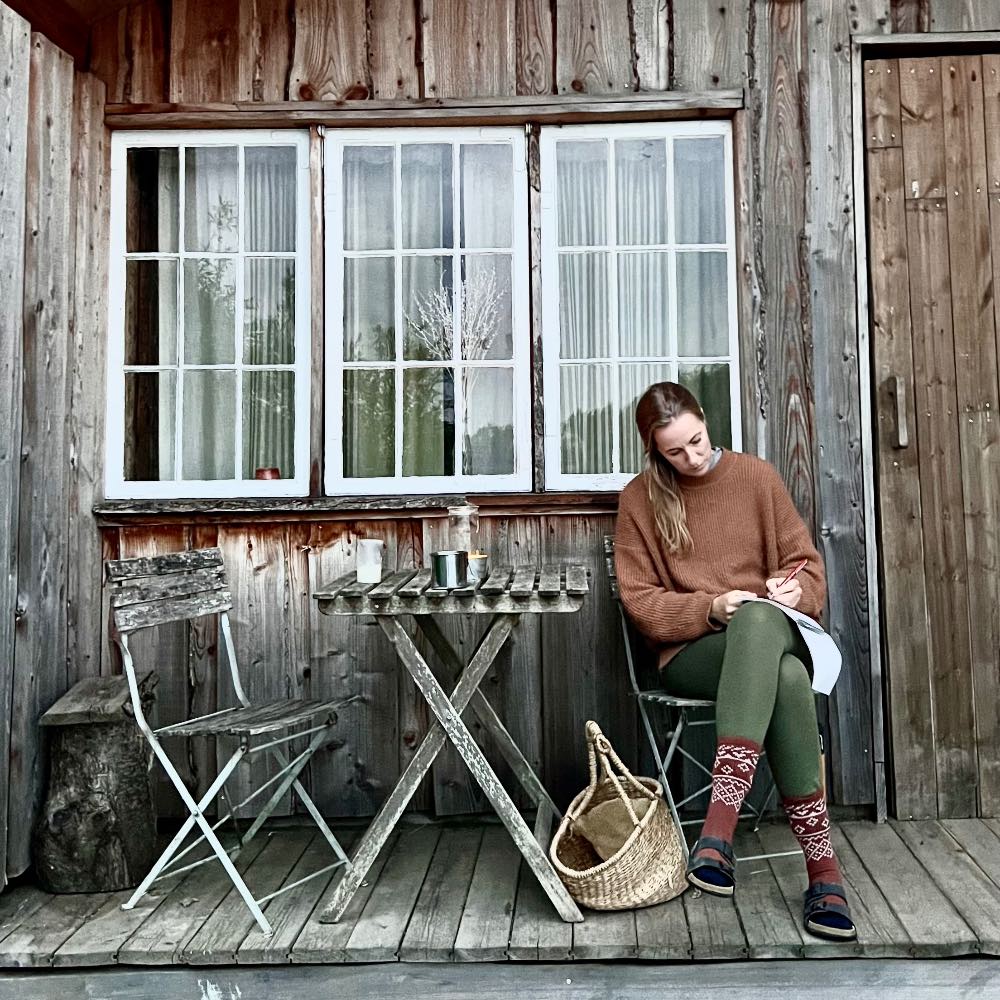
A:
[744,529]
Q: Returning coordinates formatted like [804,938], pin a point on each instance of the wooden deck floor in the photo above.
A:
[444,893]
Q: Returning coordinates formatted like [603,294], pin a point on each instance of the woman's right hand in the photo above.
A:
[726,605]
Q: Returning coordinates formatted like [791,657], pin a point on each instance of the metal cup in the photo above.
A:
[478,568]
[450,568]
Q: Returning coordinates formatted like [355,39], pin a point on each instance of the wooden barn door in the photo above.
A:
[932,142]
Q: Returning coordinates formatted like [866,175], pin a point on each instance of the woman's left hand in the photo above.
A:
[788,594]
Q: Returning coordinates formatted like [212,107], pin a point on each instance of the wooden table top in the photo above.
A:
[507,589]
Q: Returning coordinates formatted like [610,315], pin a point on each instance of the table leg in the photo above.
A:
[509,750]
[449,715]
[420,763]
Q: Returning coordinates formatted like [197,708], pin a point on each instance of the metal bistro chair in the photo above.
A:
[147,592]
[676,711]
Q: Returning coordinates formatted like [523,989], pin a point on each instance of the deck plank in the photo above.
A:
[537,933]
[604,935]
[437,914]
[319,942]
[770,927]
[97,940]
[380,928]
[220,936]
[288,913]
[934,926]
[36,939]
[161,939]
[484,932]
[980,843]
[661,932]
[18,905]
[958,877]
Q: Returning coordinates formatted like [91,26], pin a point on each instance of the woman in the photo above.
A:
[701,532]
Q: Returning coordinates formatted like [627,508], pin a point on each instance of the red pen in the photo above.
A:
[794,572]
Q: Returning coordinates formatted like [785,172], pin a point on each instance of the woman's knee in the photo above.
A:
[794,683]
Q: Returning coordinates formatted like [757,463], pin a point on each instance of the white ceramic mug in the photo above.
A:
[369,563]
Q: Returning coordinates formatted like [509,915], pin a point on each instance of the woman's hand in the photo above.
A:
[788,594]
[726,605]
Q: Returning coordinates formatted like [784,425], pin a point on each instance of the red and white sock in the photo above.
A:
[810,823]
[732,775]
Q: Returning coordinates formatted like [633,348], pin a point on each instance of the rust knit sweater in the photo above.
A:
[744,528]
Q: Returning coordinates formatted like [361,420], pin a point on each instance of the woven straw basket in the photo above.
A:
[648,868]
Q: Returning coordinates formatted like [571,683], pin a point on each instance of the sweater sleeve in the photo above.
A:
[794,545]
[661,614]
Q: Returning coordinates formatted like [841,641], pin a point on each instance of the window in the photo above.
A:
[638,286]
[208,388]
[428,381]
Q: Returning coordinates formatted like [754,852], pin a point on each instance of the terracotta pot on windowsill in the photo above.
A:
[273,472]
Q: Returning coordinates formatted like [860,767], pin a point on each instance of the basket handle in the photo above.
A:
[598,746]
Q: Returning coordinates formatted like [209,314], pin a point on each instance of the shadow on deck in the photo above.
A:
[458,893]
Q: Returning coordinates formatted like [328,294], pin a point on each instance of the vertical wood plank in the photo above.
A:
[40,621]
[330,61]
[202,671]
[469,49]
[15,49]
[651,31]
[922,128]
[130,52]
[534,47]
[204,51]
[88,323]
[963,15]
[593,49]
[392,31]
[839,480]
[265,50]
[906,637]
[910,16]
[710,42]
[969,251]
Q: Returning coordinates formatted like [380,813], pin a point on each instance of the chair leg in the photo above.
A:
[661,762]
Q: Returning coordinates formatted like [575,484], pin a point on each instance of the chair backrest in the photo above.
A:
[642,674]
[153,590]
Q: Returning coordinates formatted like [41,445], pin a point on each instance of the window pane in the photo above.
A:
[703,304]
[643,304]
[368,198]
[635,380]
[426,195]
[429,422]
[269,423]
[209,311]
[269,311]
[210,199]
[269,190]
[699,190]
[209,425]
[487,195]
[151,201]
[487,317]
[710,385]
[369,298]
[641,169]
[585,401]
[369,423]
[583,305]
[489,422]
[151,312]
[427,309]
[149,426]
[582,169]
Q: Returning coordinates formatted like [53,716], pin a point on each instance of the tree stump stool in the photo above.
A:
[97,831]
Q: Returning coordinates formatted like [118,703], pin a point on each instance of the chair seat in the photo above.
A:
[257,719]
[665,698]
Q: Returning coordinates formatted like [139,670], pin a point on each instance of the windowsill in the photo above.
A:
[112,512]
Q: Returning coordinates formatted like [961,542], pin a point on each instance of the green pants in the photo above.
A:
[756,670]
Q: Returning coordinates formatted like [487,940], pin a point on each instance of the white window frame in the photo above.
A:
[555,478]
[334,480]
[116,486]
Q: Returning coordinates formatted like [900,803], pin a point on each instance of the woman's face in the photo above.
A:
[685,444]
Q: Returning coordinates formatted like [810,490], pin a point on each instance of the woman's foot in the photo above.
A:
[826,913]
[711,866]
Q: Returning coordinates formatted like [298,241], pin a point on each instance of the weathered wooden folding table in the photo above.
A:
[508,593]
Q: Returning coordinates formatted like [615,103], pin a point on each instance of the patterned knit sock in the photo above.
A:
[732,775]
[811,826]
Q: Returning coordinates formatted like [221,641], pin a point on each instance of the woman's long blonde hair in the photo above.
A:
[659,405]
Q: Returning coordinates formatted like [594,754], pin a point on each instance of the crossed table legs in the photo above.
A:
[448,725]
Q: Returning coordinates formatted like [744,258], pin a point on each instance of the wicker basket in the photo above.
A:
[647,869]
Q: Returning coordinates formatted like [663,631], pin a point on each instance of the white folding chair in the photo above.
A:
[148,592]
